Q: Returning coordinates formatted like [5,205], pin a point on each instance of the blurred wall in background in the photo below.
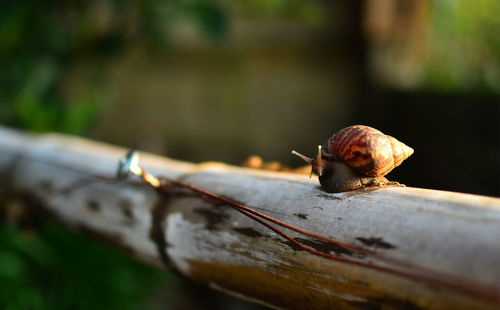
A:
[268,86]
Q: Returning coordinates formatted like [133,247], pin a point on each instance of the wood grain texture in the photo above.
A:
[451,236]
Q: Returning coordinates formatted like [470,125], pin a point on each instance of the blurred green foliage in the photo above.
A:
[40,41]
[56,269]
[465,46]
[308,12]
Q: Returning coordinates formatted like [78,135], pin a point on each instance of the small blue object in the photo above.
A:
[125,164]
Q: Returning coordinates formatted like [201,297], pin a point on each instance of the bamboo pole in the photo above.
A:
[448,242]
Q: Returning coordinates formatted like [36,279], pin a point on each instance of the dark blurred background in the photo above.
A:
[221,80]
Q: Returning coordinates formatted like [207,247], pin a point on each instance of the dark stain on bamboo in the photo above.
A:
[46,185]
[249,232]
[213,216]
[329,196]
[324,247]
[93,205]
[301,215]
[126,208]
[157,232]
[292,245]
[376,242]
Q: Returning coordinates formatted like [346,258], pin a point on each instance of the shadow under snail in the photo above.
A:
[356,157]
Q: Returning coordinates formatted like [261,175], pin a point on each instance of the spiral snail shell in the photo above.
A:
[366,150]
[368,154]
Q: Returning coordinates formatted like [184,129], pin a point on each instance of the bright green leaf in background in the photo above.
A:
[464,46]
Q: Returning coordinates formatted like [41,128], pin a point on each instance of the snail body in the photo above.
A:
[355,157]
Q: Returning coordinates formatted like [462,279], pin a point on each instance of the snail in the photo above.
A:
[356,157]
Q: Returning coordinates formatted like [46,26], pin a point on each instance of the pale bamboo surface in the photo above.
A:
[452,237]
